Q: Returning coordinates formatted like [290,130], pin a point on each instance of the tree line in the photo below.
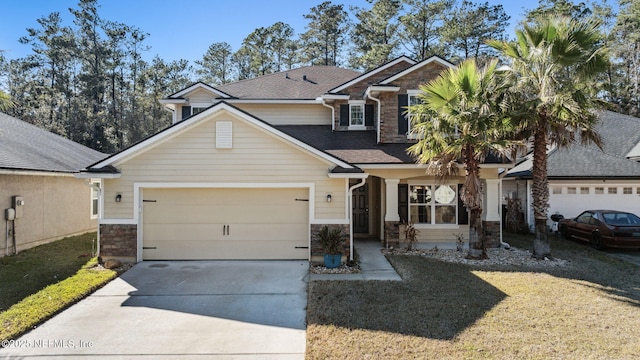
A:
[88,80]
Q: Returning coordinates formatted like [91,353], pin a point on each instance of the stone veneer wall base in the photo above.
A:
[119,241]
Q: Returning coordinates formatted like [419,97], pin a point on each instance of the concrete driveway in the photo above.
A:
[182,309]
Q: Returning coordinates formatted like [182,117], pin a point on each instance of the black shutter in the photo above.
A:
[368,115]
[463,215]
[186,112]
[403,202]
[344,115]
[403,101]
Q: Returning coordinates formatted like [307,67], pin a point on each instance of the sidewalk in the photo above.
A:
[373,265]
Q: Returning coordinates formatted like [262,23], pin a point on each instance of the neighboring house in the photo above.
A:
[583,177]
[253,169]
[37,181]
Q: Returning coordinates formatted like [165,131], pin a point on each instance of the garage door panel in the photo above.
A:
[225,223]
[223,250]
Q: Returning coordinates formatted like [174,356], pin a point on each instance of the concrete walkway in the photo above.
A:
[373,265]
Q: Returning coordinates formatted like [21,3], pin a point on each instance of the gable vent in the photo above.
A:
[224,134]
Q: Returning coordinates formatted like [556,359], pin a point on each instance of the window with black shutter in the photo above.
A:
[403,102]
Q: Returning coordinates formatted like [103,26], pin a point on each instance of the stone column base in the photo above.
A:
[392,233]
[119,241]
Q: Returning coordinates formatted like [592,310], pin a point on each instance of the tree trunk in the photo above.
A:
[472,199]
[540,193]
[477,248]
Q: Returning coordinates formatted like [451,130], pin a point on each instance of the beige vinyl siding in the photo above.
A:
[256,157]
[201,96]
[290,114]
[55,207]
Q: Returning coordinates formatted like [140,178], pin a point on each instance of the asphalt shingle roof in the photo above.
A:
[620,134]
[354,147]
[308,82]
[27,147]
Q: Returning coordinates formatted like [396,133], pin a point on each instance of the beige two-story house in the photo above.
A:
[253,169]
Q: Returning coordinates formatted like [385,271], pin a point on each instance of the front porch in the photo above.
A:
[384,204]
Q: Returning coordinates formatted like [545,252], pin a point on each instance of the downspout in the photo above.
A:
[100,198]
[377,115]
[333,114]
[502,243]
[361,183]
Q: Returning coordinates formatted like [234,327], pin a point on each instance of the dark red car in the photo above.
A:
[604,228]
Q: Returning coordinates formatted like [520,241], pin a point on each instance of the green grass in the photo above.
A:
[32,270]
[590,309]
[40,282]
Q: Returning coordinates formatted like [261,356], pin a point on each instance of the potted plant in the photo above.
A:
[331,241]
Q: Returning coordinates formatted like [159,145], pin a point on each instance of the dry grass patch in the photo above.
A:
[589,310]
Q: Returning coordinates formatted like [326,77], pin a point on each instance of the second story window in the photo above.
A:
[413,99]
[356,114]
[191,110]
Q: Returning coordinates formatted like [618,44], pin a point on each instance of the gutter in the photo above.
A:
[377,115]
[333,114]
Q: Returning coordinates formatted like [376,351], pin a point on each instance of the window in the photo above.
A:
[433,204]
[195,110]
[571,190]
[584,190]
[413,99]
[612,190]
[191,110]
[95,196]
[356,114]
[556,190]
[627,190]
[599,190]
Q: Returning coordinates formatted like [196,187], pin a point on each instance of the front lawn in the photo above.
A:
[590,309]
[40,282]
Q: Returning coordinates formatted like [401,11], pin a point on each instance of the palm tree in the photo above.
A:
[553,65]
[458,119]
[5,102]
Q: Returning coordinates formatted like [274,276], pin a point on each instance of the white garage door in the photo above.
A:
[207,224]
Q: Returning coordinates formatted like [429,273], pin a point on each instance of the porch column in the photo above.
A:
[492,219]
[493,200]
[391,213]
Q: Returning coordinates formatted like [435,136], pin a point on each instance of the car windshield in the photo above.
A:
[620,218]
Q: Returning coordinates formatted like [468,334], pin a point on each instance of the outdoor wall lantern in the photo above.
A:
[328,197]
[118,197]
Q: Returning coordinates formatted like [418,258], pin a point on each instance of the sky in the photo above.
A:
[183,29]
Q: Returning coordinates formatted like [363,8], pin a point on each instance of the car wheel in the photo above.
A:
[596,241]
[565,232]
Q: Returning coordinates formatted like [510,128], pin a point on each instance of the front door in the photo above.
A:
[360,207]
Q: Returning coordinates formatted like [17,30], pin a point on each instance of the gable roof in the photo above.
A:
[305,83]
[199,85]
[431,59]
[620,134]
[370,73]
[106,165]
[26,147]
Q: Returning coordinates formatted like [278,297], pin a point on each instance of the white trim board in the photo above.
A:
[183,126]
